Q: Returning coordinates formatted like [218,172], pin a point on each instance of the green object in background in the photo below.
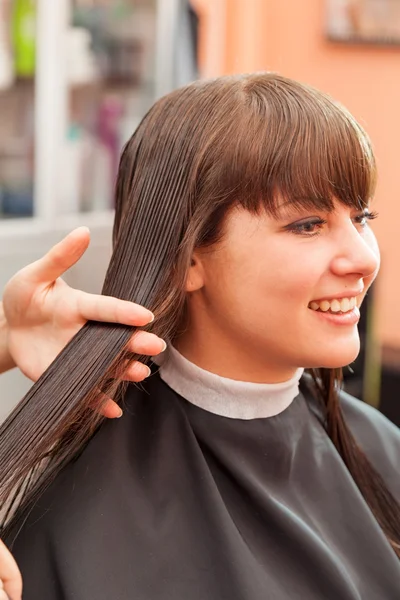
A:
[24,37]
[373,361]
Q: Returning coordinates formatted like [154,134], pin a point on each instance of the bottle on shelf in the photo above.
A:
[70,190]
[6,58]
[81,61]
[24,37]
[16,178]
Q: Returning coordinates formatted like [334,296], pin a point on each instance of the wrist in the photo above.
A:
[6,361]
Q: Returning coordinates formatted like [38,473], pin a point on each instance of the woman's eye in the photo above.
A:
[364,217]
[308,228]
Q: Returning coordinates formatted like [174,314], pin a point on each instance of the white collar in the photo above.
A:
[223,396]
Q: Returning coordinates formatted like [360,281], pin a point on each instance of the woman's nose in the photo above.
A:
[358,253]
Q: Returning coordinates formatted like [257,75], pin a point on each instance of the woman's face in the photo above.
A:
[252,297]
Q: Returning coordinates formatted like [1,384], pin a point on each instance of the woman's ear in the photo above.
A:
[195,276]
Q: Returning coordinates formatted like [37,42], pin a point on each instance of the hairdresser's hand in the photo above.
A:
[10,577]
[43,313]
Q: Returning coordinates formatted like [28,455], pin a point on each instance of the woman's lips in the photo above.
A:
[348,318]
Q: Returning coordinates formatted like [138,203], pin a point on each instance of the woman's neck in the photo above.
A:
[227,360]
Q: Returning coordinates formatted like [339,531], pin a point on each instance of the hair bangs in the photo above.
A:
[304,148]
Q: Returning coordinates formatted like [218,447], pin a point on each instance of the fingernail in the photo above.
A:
[148,371]
[152,317]
[164,345]
[120,414]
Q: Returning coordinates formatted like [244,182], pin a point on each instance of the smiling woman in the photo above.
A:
[242,223]
[268,266]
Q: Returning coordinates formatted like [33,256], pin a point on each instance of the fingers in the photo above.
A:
[111,410]
[141,343]
[146,343]
[94,307]
[136,372]
[9,575]
[59,258]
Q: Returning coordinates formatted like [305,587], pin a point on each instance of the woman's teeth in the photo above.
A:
[344,305]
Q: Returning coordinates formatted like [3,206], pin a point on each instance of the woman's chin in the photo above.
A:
[337,362]
[336,357]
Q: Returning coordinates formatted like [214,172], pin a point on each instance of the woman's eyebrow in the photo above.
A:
[299,206]
[289,209]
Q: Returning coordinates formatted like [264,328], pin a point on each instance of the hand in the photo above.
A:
[10,577]
[43,313]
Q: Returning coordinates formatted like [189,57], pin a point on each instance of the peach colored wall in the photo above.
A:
[288,36]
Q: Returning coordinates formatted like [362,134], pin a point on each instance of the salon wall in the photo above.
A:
[288,36]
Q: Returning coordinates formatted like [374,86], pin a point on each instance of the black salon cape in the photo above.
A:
[172,502]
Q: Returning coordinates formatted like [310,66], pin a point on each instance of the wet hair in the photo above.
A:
[200,151]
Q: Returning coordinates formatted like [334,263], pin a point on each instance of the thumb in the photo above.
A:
[59,258]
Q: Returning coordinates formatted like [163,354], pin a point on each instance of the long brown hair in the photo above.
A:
[201,150]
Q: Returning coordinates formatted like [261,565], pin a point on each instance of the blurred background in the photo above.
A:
[76,77]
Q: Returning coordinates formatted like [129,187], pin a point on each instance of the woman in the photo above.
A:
[43,314]
[242,223]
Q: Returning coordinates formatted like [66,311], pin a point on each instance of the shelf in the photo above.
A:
[354,40]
